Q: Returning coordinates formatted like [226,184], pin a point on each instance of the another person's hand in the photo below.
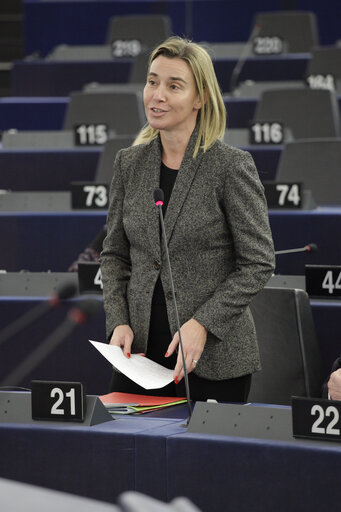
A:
[123,337]
[193,336]
[334,385]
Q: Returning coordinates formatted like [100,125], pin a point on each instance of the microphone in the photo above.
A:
[78,315]
[64,291]
[158,198]
[307,248]
[243,56]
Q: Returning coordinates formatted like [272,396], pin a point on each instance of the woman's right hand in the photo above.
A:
[123,337]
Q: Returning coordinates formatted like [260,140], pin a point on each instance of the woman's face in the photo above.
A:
[171,100]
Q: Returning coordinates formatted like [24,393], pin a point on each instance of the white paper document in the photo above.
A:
[140,369]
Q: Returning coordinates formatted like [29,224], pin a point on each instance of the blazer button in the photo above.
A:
[157,265]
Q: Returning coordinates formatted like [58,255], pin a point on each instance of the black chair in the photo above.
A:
[254,89]
[309,113]
[117,106]
[106,161]
[297,29]
[290,355]
[297,32]
[130,35]
[324,68]
[122,111]
[317,164]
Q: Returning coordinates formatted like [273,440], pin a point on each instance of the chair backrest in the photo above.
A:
[317,164]
[309,113]
[132,34]
[254,89]
[297,29]
[290,355]
[104,171]
[324,61]
[138,73]
[122,111]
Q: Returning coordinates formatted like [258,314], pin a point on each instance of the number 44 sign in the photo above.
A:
[316,418]
[323,281]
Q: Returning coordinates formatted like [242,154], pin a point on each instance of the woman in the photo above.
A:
[219,239]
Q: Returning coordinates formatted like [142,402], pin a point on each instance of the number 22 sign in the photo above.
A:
[316,418]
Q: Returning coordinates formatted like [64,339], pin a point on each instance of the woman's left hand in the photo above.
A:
[193,336]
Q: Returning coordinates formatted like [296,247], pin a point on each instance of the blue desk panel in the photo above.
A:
[230,473]
[49,241]
[296,229]
[85,22]
[45,242]
[157,457]
[45,113]
[48,23]
[76,359]
[25,170]
[32,113]
[47,78]
[97,462]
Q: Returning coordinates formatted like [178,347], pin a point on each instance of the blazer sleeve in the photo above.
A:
[247,217]
[336,366]
[115,256]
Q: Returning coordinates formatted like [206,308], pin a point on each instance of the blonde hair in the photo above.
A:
[212,114]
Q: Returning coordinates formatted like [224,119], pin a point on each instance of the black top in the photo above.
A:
[167,180]
[159,333]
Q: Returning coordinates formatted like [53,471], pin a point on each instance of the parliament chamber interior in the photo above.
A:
[72,74]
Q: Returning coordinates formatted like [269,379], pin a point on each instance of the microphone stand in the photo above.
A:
[246,52]
[159,205]
[306,248]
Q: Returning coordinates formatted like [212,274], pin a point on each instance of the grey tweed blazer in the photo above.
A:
[220,248]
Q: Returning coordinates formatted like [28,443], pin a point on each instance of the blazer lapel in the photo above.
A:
[182,184]
[152,180]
